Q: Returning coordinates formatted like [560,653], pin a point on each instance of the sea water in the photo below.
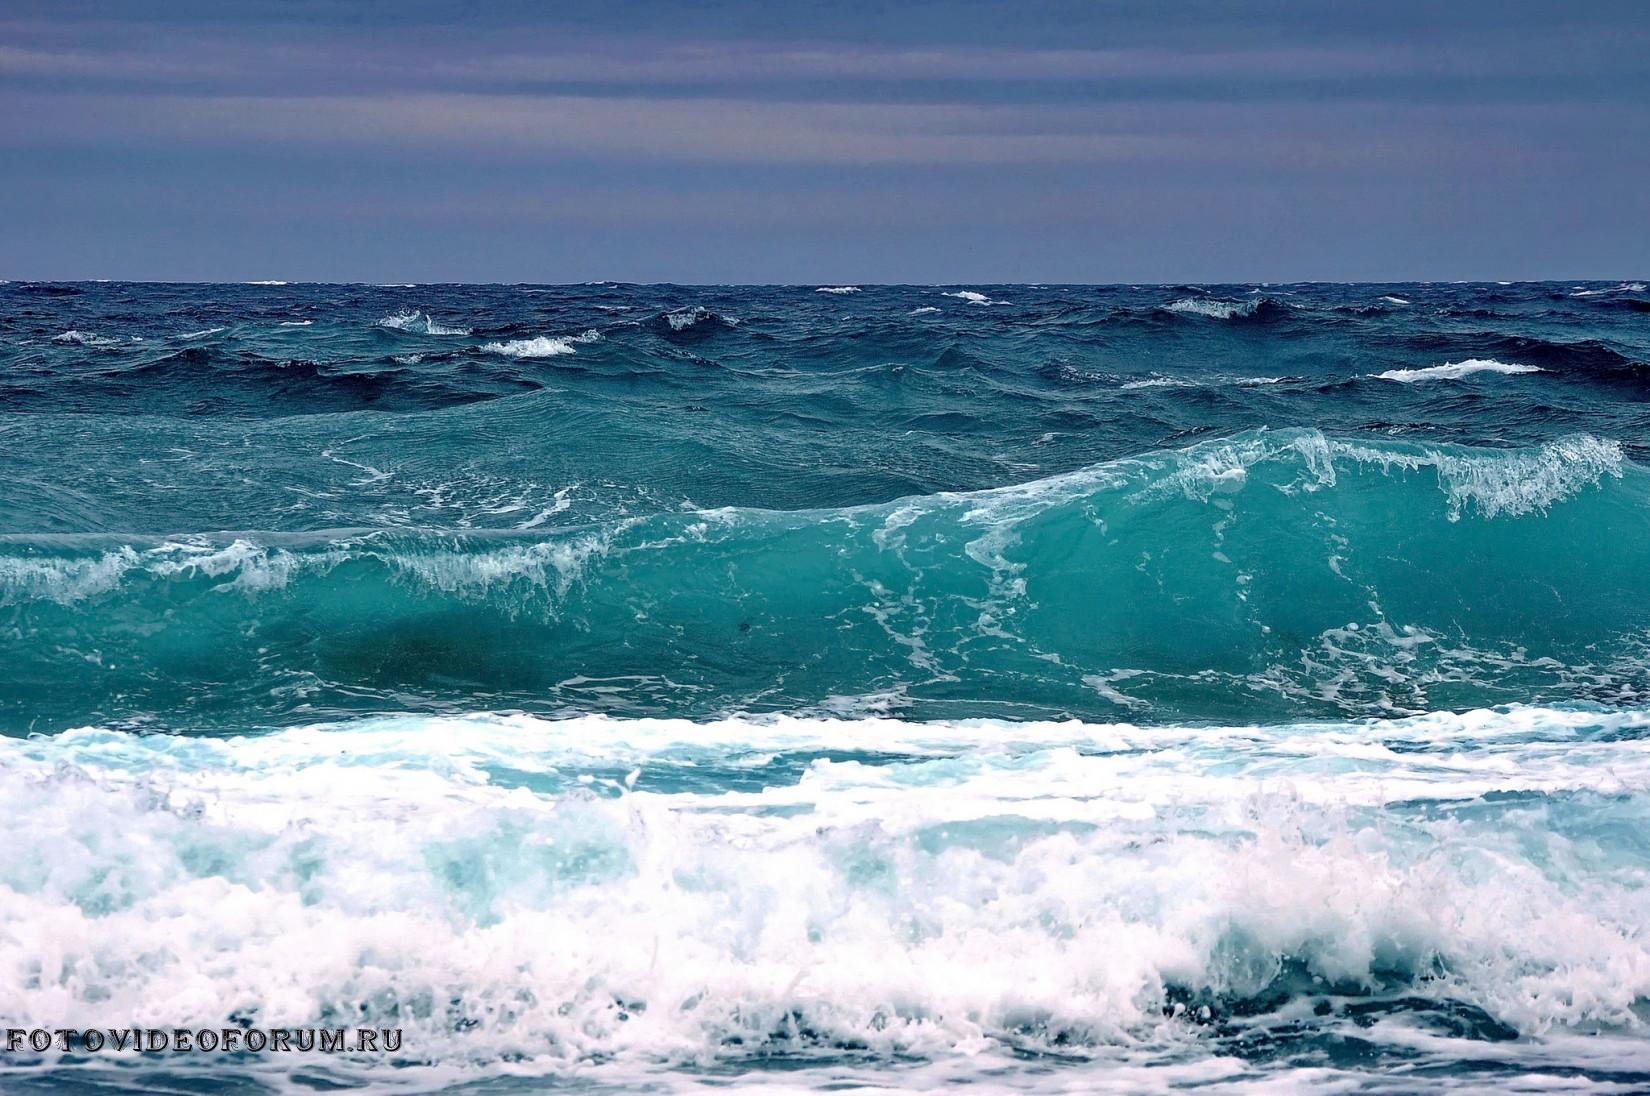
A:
[1054,688]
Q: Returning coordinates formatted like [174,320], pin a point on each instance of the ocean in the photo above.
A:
[826,688]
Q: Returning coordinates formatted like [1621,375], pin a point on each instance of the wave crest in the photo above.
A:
[1454,371]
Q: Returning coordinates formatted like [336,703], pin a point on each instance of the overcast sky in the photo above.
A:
[774,141]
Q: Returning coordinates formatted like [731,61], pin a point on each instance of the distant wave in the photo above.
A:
[267,281]
[1389,299]
[692,321]
[1624,287]
[416,321]
[925,310]
[244,384]
[837,289]
[201,334]
[85,338]
[541,346]
[306,323]
[1454,371]
[1215,308]
[973,297]
[1159,382]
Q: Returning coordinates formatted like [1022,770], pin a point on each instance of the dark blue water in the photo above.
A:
[899,685]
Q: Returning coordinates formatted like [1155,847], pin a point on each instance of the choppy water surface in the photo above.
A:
[1044,688]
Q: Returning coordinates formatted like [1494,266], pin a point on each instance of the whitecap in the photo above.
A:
[973,297]
[840,289]
[541,346]
[85,338]
[201,334]
[297,323]
[1158,382]
[1454,371]
[416,321]
[925,310]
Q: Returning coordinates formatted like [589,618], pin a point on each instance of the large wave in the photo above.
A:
[1279,573]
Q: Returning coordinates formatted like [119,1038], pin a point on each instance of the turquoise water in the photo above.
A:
[669,687]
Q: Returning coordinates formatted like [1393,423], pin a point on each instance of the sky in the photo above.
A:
[738,141]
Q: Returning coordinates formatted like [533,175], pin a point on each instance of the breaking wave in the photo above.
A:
[1454,371]
[421,323]
[1251,574]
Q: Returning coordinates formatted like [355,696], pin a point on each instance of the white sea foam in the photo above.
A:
[267,281]
[925,310]
[417,321]
[540,346]
[201,334]
[973,297]
[560,504]
[557,895]
[837,289]
[1454,371]
[306,323]
[1213,308]
[1389,299]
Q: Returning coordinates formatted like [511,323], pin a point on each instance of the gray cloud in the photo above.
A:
[1400,138]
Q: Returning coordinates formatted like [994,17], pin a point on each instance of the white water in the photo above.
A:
[550,894]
